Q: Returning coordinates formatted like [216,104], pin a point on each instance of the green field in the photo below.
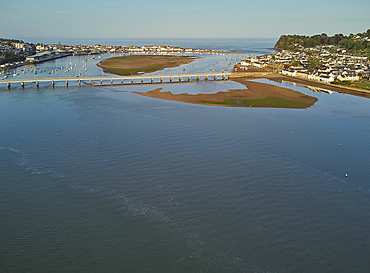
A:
[360,84]
[268,101]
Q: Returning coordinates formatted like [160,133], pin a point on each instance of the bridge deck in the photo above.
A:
[94,78]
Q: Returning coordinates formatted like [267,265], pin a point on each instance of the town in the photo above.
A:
[15,53]
[323,63]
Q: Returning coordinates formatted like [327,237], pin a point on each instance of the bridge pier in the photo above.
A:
[197,78]
[37,83]
[142,81]
[206,78]
[67,82]
[170,79]
[161,80]
[111,81]
[188,78]
[22,84]
[215,77]
[8,85]
[179,79]
[101,82]
[151,80]
[223,77]
[90,81]
[122,81]
[52,83]
[132,81]
[79,82]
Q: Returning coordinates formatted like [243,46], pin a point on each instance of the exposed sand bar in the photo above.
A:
[255,95]
[135,64]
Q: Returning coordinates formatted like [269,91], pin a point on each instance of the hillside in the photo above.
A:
[358,44]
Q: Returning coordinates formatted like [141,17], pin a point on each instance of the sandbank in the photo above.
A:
[255,95]
[136,64]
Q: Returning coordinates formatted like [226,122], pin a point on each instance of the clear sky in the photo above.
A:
[180,19]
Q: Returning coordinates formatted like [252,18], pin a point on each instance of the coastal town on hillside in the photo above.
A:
[15,53]
[321,63]
[337,59]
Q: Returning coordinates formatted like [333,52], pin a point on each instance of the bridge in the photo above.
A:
[115,80]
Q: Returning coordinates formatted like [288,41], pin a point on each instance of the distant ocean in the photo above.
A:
[99,179]
[232,44]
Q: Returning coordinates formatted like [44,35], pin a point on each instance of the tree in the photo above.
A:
[314,62]
[9,57]
[296,63]
[323,38]
[338,38]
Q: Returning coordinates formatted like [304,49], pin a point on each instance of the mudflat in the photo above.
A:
[136,64]
[255,95]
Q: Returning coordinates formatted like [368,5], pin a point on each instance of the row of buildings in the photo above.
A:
[97,49]
[46,52]
[17,48]
[322,63]
[31,53]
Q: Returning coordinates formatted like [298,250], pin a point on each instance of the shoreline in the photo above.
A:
[302,82]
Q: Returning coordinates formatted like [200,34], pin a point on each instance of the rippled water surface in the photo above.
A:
[98,179]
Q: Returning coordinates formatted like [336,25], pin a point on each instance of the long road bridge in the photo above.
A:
[115,80]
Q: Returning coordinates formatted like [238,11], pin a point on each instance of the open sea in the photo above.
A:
[98,179]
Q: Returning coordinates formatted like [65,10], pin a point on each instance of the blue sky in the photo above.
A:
[180,19]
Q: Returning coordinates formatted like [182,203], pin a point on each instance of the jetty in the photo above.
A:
[317,89]
[118,80]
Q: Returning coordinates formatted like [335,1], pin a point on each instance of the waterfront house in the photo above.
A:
[326,78]
[302,74]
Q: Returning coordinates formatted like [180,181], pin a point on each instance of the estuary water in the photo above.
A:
[98,179]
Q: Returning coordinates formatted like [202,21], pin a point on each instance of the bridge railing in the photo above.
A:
[135,79]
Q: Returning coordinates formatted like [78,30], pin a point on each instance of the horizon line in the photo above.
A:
[200,38]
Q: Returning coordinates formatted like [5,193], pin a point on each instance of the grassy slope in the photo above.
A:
[362,85]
